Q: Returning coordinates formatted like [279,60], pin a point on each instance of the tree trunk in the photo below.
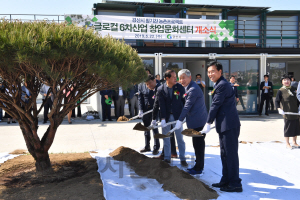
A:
[42,161]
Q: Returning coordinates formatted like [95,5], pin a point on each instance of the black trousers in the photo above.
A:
[47,106]
[119,106]
[229,156]
[106,109]
[264,97]
[147,121]
[199,148]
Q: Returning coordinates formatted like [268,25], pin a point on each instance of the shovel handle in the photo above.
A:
[291,113]
[149,111]
[169,123]
[172,130]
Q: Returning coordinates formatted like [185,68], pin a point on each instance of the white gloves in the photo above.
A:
[163,123]
[141,113]
[178,124]
[206,128]
[153,123]
[280,111]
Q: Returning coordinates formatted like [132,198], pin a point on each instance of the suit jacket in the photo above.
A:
[270,91]
[133,90]
[167,104]
[24,93]
[194,109]
[223,107]
[115,94]
[44,90]
[105,92]
[146,97]
[235,90]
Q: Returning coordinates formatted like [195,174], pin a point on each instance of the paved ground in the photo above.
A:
[85,135]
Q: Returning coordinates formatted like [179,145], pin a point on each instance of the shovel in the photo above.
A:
[139,126]
[291,113]
[149,111]
[193,133]
[162,136]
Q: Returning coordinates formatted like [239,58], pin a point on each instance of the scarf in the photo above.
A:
[288,88]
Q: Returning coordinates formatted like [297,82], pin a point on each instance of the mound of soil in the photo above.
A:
[122,119]
[74,176]
[179,182]
[191,133]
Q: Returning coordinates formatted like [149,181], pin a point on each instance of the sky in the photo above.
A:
[60,7]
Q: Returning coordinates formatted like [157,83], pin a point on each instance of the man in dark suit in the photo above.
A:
[106,108]
[147,92]
[119,97]
[234,87]
[133,101]
[171,102]
[223,110]
[195,112]
[265,87]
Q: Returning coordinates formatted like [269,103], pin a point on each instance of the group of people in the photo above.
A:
[48,102]
[183,101]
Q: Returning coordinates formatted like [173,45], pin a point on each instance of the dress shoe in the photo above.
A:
[167,161]
[174,156]
[155,152]
[229,188]
[13,122]
[103,120]
[145,150]
[267,114]
[161,157]
[184,163]
[110,120]
[219,185]
[194,172]
[8,122]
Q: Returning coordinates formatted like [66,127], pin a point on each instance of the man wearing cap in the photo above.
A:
[223,111]
[147,92]
[266,89]
[106,104]
[195,112]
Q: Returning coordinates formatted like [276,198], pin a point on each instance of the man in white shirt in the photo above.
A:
[200,82]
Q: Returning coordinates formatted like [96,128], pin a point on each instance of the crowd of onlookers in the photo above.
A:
[26,95]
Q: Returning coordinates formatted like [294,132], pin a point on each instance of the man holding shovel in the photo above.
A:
[195,112]
[146,98]
[223,111]
[171,102]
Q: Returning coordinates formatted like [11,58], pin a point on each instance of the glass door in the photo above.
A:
[275,70]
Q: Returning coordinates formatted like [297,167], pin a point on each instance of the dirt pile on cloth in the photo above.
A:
[179,182]
[74,176]
[122,119]
[191,133]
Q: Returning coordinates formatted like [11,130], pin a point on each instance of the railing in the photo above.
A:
[33,17]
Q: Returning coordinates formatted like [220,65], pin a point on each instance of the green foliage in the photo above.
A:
[59,51]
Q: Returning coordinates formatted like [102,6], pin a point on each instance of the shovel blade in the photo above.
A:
[161,136]
[140,127]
